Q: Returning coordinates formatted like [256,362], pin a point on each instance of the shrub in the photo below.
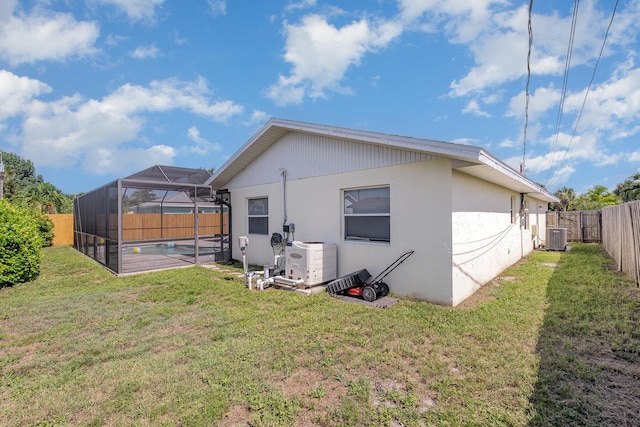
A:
[45,228]
[20,244]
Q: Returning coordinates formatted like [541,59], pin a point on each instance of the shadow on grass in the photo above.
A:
[589,345]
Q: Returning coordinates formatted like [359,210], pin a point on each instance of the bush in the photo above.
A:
[45,228]
[20,244]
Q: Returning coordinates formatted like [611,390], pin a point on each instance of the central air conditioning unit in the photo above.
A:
[556,239]
[311,262]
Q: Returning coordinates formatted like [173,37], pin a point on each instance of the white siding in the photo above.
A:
[485,242]
[459,225]
[420,220]
[305,156]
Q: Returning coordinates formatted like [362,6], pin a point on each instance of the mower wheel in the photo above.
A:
[369,294]
[384,290]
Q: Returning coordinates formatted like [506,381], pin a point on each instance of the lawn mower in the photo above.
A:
[360,284]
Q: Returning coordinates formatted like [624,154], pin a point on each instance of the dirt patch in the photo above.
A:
[485,293]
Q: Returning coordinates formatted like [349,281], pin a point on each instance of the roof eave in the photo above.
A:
[468,154]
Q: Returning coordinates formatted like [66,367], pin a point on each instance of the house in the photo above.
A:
[174,202]
[466,214]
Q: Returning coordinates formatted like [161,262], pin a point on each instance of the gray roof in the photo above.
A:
[469,159]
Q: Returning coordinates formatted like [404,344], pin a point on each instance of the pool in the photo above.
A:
[167,249]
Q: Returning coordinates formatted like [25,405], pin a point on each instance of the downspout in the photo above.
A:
[283,182]
[523,220]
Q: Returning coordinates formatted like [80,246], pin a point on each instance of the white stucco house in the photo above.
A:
[466,214]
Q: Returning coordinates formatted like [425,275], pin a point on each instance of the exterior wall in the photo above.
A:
[420,216]
[485,241]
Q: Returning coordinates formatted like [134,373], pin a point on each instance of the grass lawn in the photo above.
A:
[555,340]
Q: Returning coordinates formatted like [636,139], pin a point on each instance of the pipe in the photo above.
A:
[264,283]
[283,180]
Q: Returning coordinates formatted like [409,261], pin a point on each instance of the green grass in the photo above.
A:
[554,341]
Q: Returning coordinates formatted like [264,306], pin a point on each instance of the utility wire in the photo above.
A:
[563,92]
[593,76]
[526,105]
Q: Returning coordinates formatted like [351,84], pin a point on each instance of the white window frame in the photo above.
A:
[260,215]
[349,217]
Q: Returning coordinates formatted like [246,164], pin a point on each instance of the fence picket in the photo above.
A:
[621,236]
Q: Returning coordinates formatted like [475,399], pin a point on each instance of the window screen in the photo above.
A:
[258,216]
[367,214]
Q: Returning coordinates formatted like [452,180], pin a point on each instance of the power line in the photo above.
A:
[593,76]
[565,79]
[526,105]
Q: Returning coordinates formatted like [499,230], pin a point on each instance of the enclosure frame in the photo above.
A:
[100,218]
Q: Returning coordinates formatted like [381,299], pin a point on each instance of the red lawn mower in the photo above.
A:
[360,285]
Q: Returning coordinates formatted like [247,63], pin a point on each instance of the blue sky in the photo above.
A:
[95,90]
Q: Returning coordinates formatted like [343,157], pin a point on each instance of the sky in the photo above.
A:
[95,90]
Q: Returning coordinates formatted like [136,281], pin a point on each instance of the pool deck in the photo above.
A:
[144,262]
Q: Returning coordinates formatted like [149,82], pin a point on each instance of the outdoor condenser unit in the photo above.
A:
[556,239]
[311,262]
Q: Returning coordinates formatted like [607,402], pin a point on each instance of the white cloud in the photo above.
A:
[17,92]
[74,130]
[321,54]
[257,117]
[178,39]
[45,36]
[496,35]
[114,40]
[145,52]
[217,7]
[473,107]
[303,4]
[6,9]
[541,100]
[612,105]
[634,157]
[136,10]
[561,176]
[202,147]
[508,143]
[109,160]
[170,94]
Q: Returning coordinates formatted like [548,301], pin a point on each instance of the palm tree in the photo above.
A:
[567,196]
[596,198]
[629,190]
[45,197]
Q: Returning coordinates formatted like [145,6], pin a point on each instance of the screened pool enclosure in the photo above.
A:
[161,217]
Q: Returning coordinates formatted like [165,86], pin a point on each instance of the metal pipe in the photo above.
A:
[283,180]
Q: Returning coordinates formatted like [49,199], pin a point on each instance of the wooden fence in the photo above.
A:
[62,229]
[621,236]
[582,226]
[170,226]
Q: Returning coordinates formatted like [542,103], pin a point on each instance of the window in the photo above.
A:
[367,214]
[514,217]
[259,216]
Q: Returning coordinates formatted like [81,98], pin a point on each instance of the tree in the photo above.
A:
[20,243]
[596,198]
[19,173]
[629,190]
[24,187]
[45,198]
[567,196]
[137,198]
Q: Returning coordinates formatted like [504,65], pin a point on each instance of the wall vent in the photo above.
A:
[556,239]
